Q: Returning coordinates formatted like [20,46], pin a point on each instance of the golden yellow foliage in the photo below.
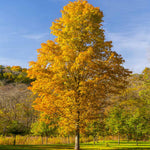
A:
[16,68]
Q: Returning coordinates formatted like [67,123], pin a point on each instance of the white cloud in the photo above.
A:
[134,47]
[35,36]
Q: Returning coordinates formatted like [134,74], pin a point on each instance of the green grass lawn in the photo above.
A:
[99,146]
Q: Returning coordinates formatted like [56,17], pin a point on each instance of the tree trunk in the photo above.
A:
[118,138]
[136,135]
[14,140]
[94,140]
[4,130]
[46,139]
[103,139]
[42,140]
[77,137]
[97,139]
[77,132]
[136,139]
[127,138]
[68,139]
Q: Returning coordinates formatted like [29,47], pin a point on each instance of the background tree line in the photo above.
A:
[126,116]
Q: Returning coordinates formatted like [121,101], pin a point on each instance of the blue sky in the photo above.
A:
[24,25]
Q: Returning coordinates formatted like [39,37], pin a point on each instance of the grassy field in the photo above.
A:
[100,146]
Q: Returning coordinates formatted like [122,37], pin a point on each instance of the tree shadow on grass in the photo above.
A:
[35,147]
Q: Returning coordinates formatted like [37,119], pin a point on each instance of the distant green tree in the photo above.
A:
[40,127]
[16,128]
[130,114]
[116,121]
